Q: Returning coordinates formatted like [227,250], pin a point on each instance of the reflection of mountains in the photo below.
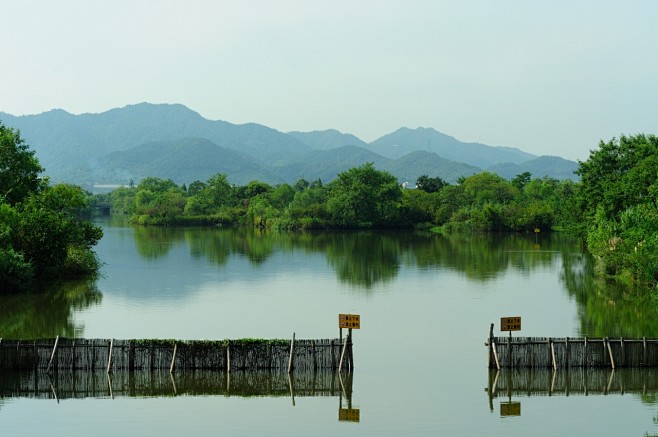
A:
[363,258]
[99,384]
[572,381]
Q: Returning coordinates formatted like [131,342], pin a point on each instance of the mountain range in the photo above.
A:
[173,141]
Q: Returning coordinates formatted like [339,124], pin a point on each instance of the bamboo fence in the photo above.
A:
[557,353]
[230,355]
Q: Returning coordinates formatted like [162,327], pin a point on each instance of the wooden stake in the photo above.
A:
[52,355]
[550,341]
[495,354]
[109,357]
[340,365]
[228,358]
[612,360]
[173,359]
[491,328]
[644,350]
[292,348]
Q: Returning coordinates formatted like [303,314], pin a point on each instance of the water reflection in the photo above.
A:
[364,258]
[99,384]
[605,308]
[47,313]
[571,381]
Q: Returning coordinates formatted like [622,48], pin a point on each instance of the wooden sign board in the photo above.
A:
[349,415]
[510,409]
[510,323]
[350,321]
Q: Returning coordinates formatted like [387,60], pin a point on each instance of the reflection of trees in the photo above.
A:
[153,242]
[605,308]
[218,245]
[364,258]
[46,313]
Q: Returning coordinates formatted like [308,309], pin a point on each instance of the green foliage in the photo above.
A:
[430,185]
[364,196]
[40,236]
[619,197]
[19,168]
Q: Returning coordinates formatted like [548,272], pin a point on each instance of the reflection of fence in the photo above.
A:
[97,354]
[571,352]
[147,383]
[569,382]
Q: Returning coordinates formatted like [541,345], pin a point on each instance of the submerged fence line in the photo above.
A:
[111,354]
[564,352]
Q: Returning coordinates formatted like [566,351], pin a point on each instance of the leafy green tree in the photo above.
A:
[488,187]
[520,180]
[364,196]
[430,185]
[19,168]
[619,197]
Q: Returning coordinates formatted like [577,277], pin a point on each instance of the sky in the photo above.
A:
[547,77]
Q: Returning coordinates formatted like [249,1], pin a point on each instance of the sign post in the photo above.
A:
[510,324]
[349,321]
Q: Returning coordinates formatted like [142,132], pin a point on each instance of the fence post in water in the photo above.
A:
[52,355]
[292,348]
[491,327]
[342,355]
[612,359]
[495,354]
[228,358]
[550,341]
[349,350]
[173,359]
[644,350]
[109,356]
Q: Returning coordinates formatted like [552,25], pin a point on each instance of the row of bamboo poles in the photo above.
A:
[151,383]
[229,355]
[611,353]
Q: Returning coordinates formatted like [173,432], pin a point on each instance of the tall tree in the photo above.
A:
[19,168]
[364,196]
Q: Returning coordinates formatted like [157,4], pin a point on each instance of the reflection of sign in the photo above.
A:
[537,230]
[349,415]
[510,409]
[351,321]
[510,323]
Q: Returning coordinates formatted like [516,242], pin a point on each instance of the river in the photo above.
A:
[426,303]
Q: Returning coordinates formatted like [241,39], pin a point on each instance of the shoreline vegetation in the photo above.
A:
[42,235]
[613,209]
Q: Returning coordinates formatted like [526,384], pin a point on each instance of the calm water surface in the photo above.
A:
[425,302]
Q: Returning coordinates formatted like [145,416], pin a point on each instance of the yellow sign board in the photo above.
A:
[349,415]
[351,321]
[510,409]
[510,323]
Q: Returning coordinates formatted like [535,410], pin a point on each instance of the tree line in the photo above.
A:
[613,208]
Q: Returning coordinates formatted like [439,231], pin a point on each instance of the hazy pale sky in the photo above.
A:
[548,77]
